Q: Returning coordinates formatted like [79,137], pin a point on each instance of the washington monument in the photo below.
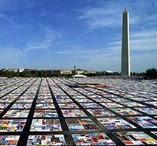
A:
[125,62]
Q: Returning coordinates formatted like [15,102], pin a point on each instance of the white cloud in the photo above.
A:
[151,33]
[48,40]
[100,16]
[7,21]
[104,15]
[144,40]
[109,13]
[11,57]
[147,44]
[140,41]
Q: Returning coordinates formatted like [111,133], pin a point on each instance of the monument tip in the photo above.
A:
[125,10]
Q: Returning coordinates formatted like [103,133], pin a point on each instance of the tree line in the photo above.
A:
[149,74]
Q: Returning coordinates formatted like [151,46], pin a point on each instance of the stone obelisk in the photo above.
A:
[125,62]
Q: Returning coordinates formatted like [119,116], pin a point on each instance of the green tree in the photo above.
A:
[151,73]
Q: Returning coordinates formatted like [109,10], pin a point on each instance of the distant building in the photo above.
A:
[62,72]
[30,70]
[79,76]
[90,72]
[109,71]
[78,72]
[21,70]
[11,69]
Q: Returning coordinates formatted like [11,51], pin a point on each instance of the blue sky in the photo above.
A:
[53,34]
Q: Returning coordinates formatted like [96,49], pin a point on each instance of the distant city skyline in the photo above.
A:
[86,33]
